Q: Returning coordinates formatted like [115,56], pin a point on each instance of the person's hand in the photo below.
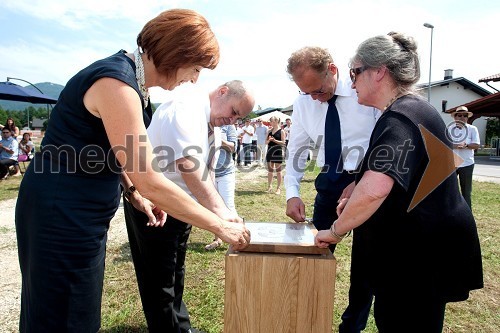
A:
[344,197]
[324,238]
[295,209]
[235,234]
[346,193]
[341,206]
[156,216]
[232,217]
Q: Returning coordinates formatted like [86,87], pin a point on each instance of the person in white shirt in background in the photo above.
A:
[465,139]
[239,147]
[319,80]
[286,128]
[261,131]
[246,140]
[254,141]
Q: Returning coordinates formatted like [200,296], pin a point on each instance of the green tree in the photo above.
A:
[3,116]
[492,129]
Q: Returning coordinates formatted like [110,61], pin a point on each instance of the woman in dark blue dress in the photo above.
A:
[96,139]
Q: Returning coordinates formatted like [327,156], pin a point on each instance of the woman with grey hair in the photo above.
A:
[416,239]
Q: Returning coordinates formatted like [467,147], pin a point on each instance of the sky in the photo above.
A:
[51,40]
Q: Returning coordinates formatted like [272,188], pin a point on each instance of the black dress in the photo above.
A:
[67,198]
[416,256]
[274,151]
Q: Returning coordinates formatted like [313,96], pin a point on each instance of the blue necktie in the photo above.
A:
[333,144]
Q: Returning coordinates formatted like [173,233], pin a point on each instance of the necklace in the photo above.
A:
[399,95]
[139,75]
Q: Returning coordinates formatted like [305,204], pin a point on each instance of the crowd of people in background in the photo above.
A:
[14,149]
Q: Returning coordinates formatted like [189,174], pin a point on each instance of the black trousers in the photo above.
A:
[4,166]
[360,295]
[247,152]
[465,179]
[409,310]
[159,259]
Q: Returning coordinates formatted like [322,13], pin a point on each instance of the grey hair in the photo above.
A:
[397,52]
[236,88]
[313,57]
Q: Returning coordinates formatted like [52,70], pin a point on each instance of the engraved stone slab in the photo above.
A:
[273,237]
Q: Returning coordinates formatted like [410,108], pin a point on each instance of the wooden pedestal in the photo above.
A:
[279,292]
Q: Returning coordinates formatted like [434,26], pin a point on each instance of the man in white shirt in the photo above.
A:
[246,140]
[286,128]
[182,132]
[261,132]
[317,77]
[465,140]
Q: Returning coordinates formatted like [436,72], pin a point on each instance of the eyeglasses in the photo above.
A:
[316,92]
[356,71]
[461,116]
[6,132]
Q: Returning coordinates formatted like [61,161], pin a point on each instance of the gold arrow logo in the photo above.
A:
[442,163]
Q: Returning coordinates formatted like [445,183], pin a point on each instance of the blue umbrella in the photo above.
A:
[13,92]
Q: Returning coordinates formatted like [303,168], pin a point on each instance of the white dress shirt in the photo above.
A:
[247,138]
[468,134]
[179,128]
[308,119]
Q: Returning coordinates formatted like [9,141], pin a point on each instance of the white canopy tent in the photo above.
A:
[280,115]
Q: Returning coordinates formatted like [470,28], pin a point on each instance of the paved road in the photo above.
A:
[486,169]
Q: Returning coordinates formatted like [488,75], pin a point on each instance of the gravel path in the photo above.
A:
[10,275]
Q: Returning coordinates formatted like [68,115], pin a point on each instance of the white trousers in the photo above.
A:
[261,153]
[226,186]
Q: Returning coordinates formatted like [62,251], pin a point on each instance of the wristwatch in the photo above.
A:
[129,192]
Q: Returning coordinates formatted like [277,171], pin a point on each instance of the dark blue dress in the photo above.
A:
[67,198]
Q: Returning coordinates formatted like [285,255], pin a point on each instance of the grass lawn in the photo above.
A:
[204,294]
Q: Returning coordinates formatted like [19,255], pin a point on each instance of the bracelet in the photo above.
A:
[129,192]
[334,233]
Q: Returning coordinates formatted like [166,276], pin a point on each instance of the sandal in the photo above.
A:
[212,246]
[278,191]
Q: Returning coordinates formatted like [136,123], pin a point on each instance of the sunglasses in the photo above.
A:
[461,116]
[6,132]
[356,71]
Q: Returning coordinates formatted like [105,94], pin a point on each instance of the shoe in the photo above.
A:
[212,246]
[278,191]
[269,189]
[195,330]
[17,175]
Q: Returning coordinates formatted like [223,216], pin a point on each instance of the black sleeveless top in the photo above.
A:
[74,136]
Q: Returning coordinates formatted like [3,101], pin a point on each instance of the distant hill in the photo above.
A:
[50,89]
